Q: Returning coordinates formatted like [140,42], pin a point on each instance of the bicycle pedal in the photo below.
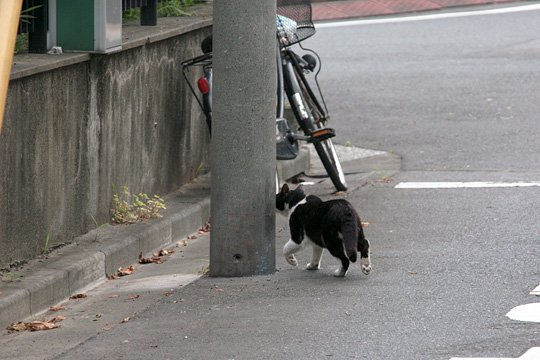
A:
[321,134]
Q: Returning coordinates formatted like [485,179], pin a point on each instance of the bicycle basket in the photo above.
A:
[294,22]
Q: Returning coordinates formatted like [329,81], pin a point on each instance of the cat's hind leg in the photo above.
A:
[289,250]
[365,259]
[315,262]
[337,250]
[342,271]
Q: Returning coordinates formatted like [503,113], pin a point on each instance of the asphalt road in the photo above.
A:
[447,94]
[457,99]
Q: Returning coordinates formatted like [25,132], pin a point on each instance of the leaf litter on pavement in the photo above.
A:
[37,325]
[157,258]
[78,296]
[205,229]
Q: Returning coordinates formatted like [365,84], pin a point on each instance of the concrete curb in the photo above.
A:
[87,262]
[90,258]
[93,256]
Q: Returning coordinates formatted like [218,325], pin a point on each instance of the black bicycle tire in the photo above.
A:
[334,171]
[330,160]
[325,148]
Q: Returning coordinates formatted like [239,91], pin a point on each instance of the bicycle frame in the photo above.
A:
[287,149]
[309,112]
[205,61]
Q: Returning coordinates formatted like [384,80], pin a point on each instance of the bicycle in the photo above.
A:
[293,24]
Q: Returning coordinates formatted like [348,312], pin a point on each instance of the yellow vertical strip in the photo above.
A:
[9,20]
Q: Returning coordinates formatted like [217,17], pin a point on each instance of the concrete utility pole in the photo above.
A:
[243,151]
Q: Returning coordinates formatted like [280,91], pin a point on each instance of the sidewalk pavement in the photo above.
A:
[85,263]
[333,10]
[112,306]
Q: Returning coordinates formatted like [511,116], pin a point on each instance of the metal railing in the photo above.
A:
[148,10]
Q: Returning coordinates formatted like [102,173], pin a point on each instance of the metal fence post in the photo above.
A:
[243,150]
[37,39]
[149,13]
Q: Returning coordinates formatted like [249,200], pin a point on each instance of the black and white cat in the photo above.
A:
[334,225]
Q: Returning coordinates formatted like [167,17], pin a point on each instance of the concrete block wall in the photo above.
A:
[75,134]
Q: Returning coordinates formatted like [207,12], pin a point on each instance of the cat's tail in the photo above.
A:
[349,231]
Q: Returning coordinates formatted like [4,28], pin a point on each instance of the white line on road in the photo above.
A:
[429,17]
[531,354]
[527,312]
[460,184]
[536,291]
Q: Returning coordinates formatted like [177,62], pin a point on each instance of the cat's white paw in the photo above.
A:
[340,272]
[291,259]
[313,266]
[366,269]
[366,265]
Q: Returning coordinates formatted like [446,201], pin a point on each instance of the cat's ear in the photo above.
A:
[285,189]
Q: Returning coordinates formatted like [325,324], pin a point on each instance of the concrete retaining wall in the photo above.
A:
[76,133]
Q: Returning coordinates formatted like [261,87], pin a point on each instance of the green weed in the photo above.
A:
[12,276]
[130,208]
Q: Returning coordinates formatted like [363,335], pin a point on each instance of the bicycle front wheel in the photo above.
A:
[325,148]
[329,158]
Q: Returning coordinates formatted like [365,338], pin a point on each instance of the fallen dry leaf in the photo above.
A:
[56,308]
[41,325]
[114,296]
[58,318]
[205,229]
[125,320]
[385,179]
[125,271]
[36,325]
[184,242]
[164,252]
[152,260]
[18,326]
[78,296]
[133,296]
[107,327]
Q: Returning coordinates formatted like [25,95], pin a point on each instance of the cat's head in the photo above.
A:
[286,199]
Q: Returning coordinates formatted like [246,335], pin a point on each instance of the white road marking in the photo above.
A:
[460,184]
[531,354]
[527,312]
[536,291]
[428,17]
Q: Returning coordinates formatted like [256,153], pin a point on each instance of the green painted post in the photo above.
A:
[75,24]
[89,25]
